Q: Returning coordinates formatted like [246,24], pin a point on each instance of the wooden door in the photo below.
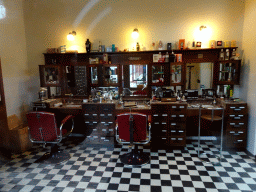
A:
[4,133]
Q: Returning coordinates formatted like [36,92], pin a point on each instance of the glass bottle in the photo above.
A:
[88,46]
[227,54]
[222,55]
[100,47]
[233,55]
[137,46]
[167,57]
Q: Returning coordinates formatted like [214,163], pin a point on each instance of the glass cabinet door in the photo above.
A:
[111,75]
[158,74]
[50,75]
[229,72]
[177,73]
[94,75]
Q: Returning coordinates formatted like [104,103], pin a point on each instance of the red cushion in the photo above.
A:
[139,126]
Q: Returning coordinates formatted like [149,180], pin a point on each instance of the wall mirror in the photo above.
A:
[199,76]
[135,79]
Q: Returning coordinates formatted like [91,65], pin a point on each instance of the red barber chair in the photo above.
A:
[43,129]
[134,129]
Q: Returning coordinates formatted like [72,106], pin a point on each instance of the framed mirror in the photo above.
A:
[199,76]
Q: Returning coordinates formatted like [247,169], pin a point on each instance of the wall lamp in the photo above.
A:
[135,33]
[202,27]
[71,36]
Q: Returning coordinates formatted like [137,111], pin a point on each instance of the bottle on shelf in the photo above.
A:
[227,54]
[137,46]
[233,55]
[88,46]
[221,55]
[100,47]
[172,57]
[167,57]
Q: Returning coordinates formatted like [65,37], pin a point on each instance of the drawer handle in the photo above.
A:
[103,122]
[94,121]
[237,117]
[232,107]
[95,136]
[102,115]
[86,114]
[104,129]
[173,139]
[94,129]
[110,129]
[180,139]
[181,131]
[164,138]
[239,140]
[103,138]
[240,115]
[110,122]
[106,124]
[164,115]
[232,132]
[182,107]
[232,123]
[173,131]
[87,122]
[242,107]
[94,114]
[241,123]
[181,115]
[173,115]
[156,123]
[231,115]
[173,124]
[240,132]
[110,114]
[237,109]
[155,115]
[164,123]
[174,107]
[164,130]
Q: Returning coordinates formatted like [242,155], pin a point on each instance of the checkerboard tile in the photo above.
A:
[98,169]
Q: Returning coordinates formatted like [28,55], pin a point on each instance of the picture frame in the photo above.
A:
[219,44]
[182,44]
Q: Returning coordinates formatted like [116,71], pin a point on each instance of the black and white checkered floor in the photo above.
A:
[99,169]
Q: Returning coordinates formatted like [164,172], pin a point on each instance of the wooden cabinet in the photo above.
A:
[160,74]
[168,125]
[236,125]
[228,72]
[99,123]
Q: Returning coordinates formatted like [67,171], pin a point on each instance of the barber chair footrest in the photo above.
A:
[54,158]
[132,158]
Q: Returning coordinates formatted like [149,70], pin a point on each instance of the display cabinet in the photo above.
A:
[51,75]
[159,74]
[177,75]
[228,72]
[94,71]
[111,75]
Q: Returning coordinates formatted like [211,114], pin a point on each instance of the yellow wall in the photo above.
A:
[18,84]
[248,76]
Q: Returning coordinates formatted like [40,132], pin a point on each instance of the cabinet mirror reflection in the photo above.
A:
[199,76]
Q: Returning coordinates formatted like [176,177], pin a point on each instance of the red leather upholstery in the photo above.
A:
[139,126]
[43,126]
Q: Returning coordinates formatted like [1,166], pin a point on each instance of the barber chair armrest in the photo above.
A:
[67,118]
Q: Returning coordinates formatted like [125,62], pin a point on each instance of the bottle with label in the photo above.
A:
[172,57]
[100,47]
[167,57]
[233,55]
[137,46]
[88,46]
[193,44]
[227,54]
[222,55]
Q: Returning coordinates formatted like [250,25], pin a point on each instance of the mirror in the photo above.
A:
[199,76]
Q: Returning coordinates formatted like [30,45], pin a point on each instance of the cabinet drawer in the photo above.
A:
[90,123]
[177,125]
[160,140]
[235,109]
[107,124]
[178,109]
[160,131]
[159,125]
[106,108]
[177,132]
[91,116]
[160,117]
[236,125]
[237,133]
[177,141]
[106,132]
[235,141]
[177,117]
[90,108]
[237,117]
[160,108]
[107,117]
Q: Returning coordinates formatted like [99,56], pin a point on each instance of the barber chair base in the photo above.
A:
[54,157]
[135,158]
